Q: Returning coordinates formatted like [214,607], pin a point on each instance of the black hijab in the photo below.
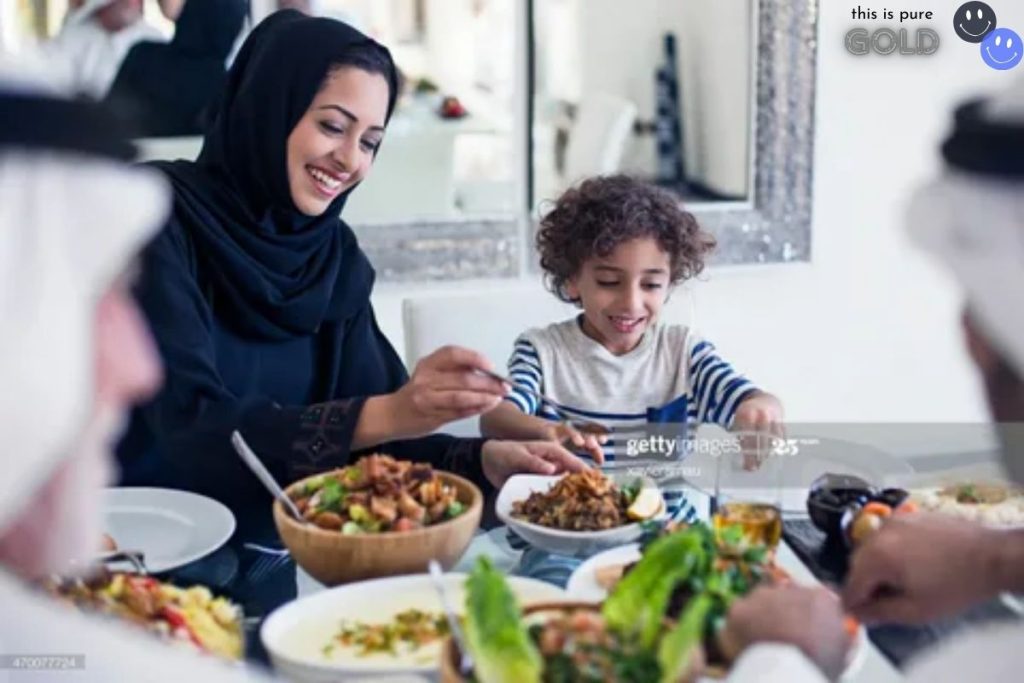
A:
[165,89]
[276,273]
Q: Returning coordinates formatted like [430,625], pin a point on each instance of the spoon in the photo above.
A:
[264,475]
[466,661]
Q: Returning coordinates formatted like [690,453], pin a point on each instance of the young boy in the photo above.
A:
[615,247]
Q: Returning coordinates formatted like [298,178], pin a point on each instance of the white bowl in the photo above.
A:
[571,543]
[295,634]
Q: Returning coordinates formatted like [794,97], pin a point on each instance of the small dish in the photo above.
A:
[559,541]
[831,495]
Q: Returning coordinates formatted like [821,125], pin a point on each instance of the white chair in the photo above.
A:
[598,137]
[490,321]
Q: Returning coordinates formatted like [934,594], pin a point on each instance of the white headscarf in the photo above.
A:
[975,225]
[69,225]
[85,11]
[84,58]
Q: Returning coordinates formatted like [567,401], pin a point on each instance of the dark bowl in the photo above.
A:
[831,495]
[892,497]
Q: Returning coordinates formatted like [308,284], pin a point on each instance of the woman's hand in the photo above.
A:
[568,435]
[502,459]
[445,386]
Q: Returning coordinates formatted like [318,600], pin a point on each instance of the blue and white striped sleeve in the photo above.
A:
[524,370]
[717,387]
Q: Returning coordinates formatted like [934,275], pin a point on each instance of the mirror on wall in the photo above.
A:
[660,89]
[449,152]
[507,102]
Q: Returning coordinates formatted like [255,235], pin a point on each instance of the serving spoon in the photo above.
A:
[263,474]
[465,660]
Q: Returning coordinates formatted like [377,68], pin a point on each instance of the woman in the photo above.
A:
[259,296]
[165,89]
[74,355]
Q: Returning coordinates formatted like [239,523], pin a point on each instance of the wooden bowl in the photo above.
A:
[333,558]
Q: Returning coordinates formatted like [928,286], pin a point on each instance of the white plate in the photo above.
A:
[1006,515]
[571,543]
[171,527]
[583,583]
[583,586]
[296,633]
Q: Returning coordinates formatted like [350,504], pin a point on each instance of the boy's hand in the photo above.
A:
[758,415]
[571,437]
[759,412]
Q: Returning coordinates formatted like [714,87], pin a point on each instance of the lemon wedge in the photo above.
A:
[647,504]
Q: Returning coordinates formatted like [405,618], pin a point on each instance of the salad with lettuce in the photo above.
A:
[631,637]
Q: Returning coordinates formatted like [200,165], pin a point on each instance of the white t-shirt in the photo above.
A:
[672,376]
[673,379]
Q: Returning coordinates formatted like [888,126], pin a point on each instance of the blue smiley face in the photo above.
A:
[1002,49]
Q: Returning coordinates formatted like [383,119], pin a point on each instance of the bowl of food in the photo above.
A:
[992,503]
[189,616]
[379,517]
[558,628]
[829,497]
[580,513]
[392,627]
[640,632]
[706,574]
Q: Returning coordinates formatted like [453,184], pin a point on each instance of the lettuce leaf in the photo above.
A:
[677,648]
[497,636]
[637,604]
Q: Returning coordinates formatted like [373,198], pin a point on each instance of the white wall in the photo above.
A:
[714,79]
[868,329]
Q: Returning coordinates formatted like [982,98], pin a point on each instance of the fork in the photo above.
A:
[269,561]
[136,558]
[583,426]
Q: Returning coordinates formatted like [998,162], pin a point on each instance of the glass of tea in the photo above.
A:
[748,495]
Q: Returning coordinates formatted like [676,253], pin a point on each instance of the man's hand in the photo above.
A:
[921,567]
[810,619]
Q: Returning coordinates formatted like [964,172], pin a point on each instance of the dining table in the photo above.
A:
[261,577]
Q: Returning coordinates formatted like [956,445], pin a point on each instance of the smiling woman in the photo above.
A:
[259,295]
[333,145]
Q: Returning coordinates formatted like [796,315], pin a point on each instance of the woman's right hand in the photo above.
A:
[444,386]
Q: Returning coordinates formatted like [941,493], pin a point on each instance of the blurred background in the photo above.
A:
[505,102]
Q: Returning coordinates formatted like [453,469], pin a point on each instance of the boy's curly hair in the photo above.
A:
[601,213]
